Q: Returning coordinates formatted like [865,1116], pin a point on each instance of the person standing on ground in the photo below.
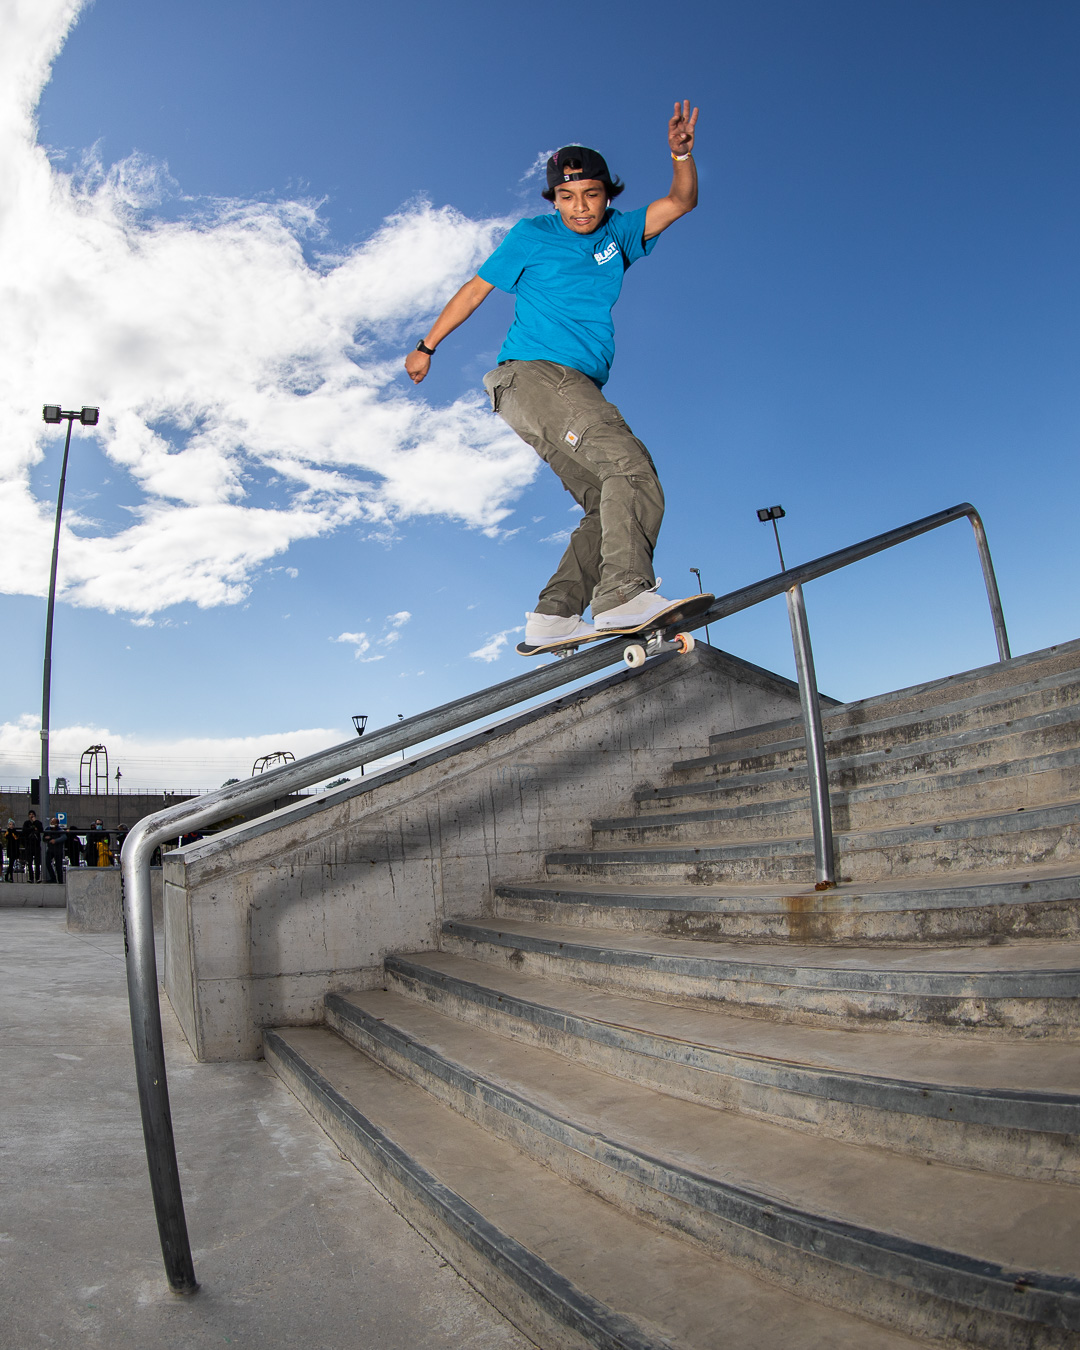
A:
[55,838]
[30,841]
[11,850]
[97,846]
[74,849]
[565,271]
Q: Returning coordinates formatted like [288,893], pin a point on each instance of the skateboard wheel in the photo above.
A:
[684,642]
[634,655]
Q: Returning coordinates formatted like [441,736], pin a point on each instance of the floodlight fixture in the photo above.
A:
[52,413]
[89,416]
[774,513]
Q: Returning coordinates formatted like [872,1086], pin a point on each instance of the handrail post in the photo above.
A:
[150,1061]
[816,768]
[990,579]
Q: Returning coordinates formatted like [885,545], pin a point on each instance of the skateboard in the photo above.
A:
[656,635]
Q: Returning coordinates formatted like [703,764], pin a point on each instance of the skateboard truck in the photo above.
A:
[637,653]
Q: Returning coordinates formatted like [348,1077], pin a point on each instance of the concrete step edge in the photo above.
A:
[1018,983]
[938,741]
[1001,1108]
[1021,821]
[882,789]
[691,899]
[911,790]
[975,1286]
[834,720]
[592,1320]
[946,684]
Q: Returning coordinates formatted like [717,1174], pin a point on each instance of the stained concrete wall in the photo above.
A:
[83,808]
[95,901]
[264,919]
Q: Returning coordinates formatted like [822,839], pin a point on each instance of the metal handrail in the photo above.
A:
[224,802]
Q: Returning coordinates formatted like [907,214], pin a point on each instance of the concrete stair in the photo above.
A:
[667,1094]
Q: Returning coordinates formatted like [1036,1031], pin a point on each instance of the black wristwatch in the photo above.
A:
[428,351]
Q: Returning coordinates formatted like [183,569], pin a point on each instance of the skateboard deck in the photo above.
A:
[653,630]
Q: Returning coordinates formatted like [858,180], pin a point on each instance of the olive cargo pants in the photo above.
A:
[605,468]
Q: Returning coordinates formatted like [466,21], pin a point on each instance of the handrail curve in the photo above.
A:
[218,805]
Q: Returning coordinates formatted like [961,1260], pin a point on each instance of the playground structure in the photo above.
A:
[94,770]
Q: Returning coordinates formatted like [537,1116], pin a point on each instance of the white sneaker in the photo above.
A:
[632,613]
[541,628]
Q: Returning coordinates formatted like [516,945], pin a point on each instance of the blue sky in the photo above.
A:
[872,315]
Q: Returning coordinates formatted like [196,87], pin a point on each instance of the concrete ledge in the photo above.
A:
[94,899]
[31,895]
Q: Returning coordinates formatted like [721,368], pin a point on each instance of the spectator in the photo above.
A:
[30,842]
[74,849]
[97,847]
[55,838]
[11,850]
[121,835]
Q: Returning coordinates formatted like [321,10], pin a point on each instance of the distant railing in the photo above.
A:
[275,784]
[55,797]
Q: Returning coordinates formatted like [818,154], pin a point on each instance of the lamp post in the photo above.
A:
[54,415]
[701,591]
[359,722]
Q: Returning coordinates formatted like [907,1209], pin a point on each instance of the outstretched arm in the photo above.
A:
[457,309]
[666,211]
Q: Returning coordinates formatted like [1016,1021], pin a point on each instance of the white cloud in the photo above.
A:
[245,396]
[398,620]
[492,648]
[360,641]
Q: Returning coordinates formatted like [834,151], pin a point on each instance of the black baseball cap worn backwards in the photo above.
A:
[575,164]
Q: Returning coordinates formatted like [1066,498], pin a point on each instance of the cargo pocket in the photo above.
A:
[581,421]
[497,382]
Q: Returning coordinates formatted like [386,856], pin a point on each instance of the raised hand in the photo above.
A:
[417,365]
[680,128]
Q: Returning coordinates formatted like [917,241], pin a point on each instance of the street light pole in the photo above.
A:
[54,414]
[701,591]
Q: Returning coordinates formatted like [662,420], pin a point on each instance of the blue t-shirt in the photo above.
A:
[566,285]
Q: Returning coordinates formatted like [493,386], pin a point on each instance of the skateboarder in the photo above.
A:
[566,272]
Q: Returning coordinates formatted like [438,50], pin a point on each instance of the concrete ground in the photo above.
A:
[292,1246]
